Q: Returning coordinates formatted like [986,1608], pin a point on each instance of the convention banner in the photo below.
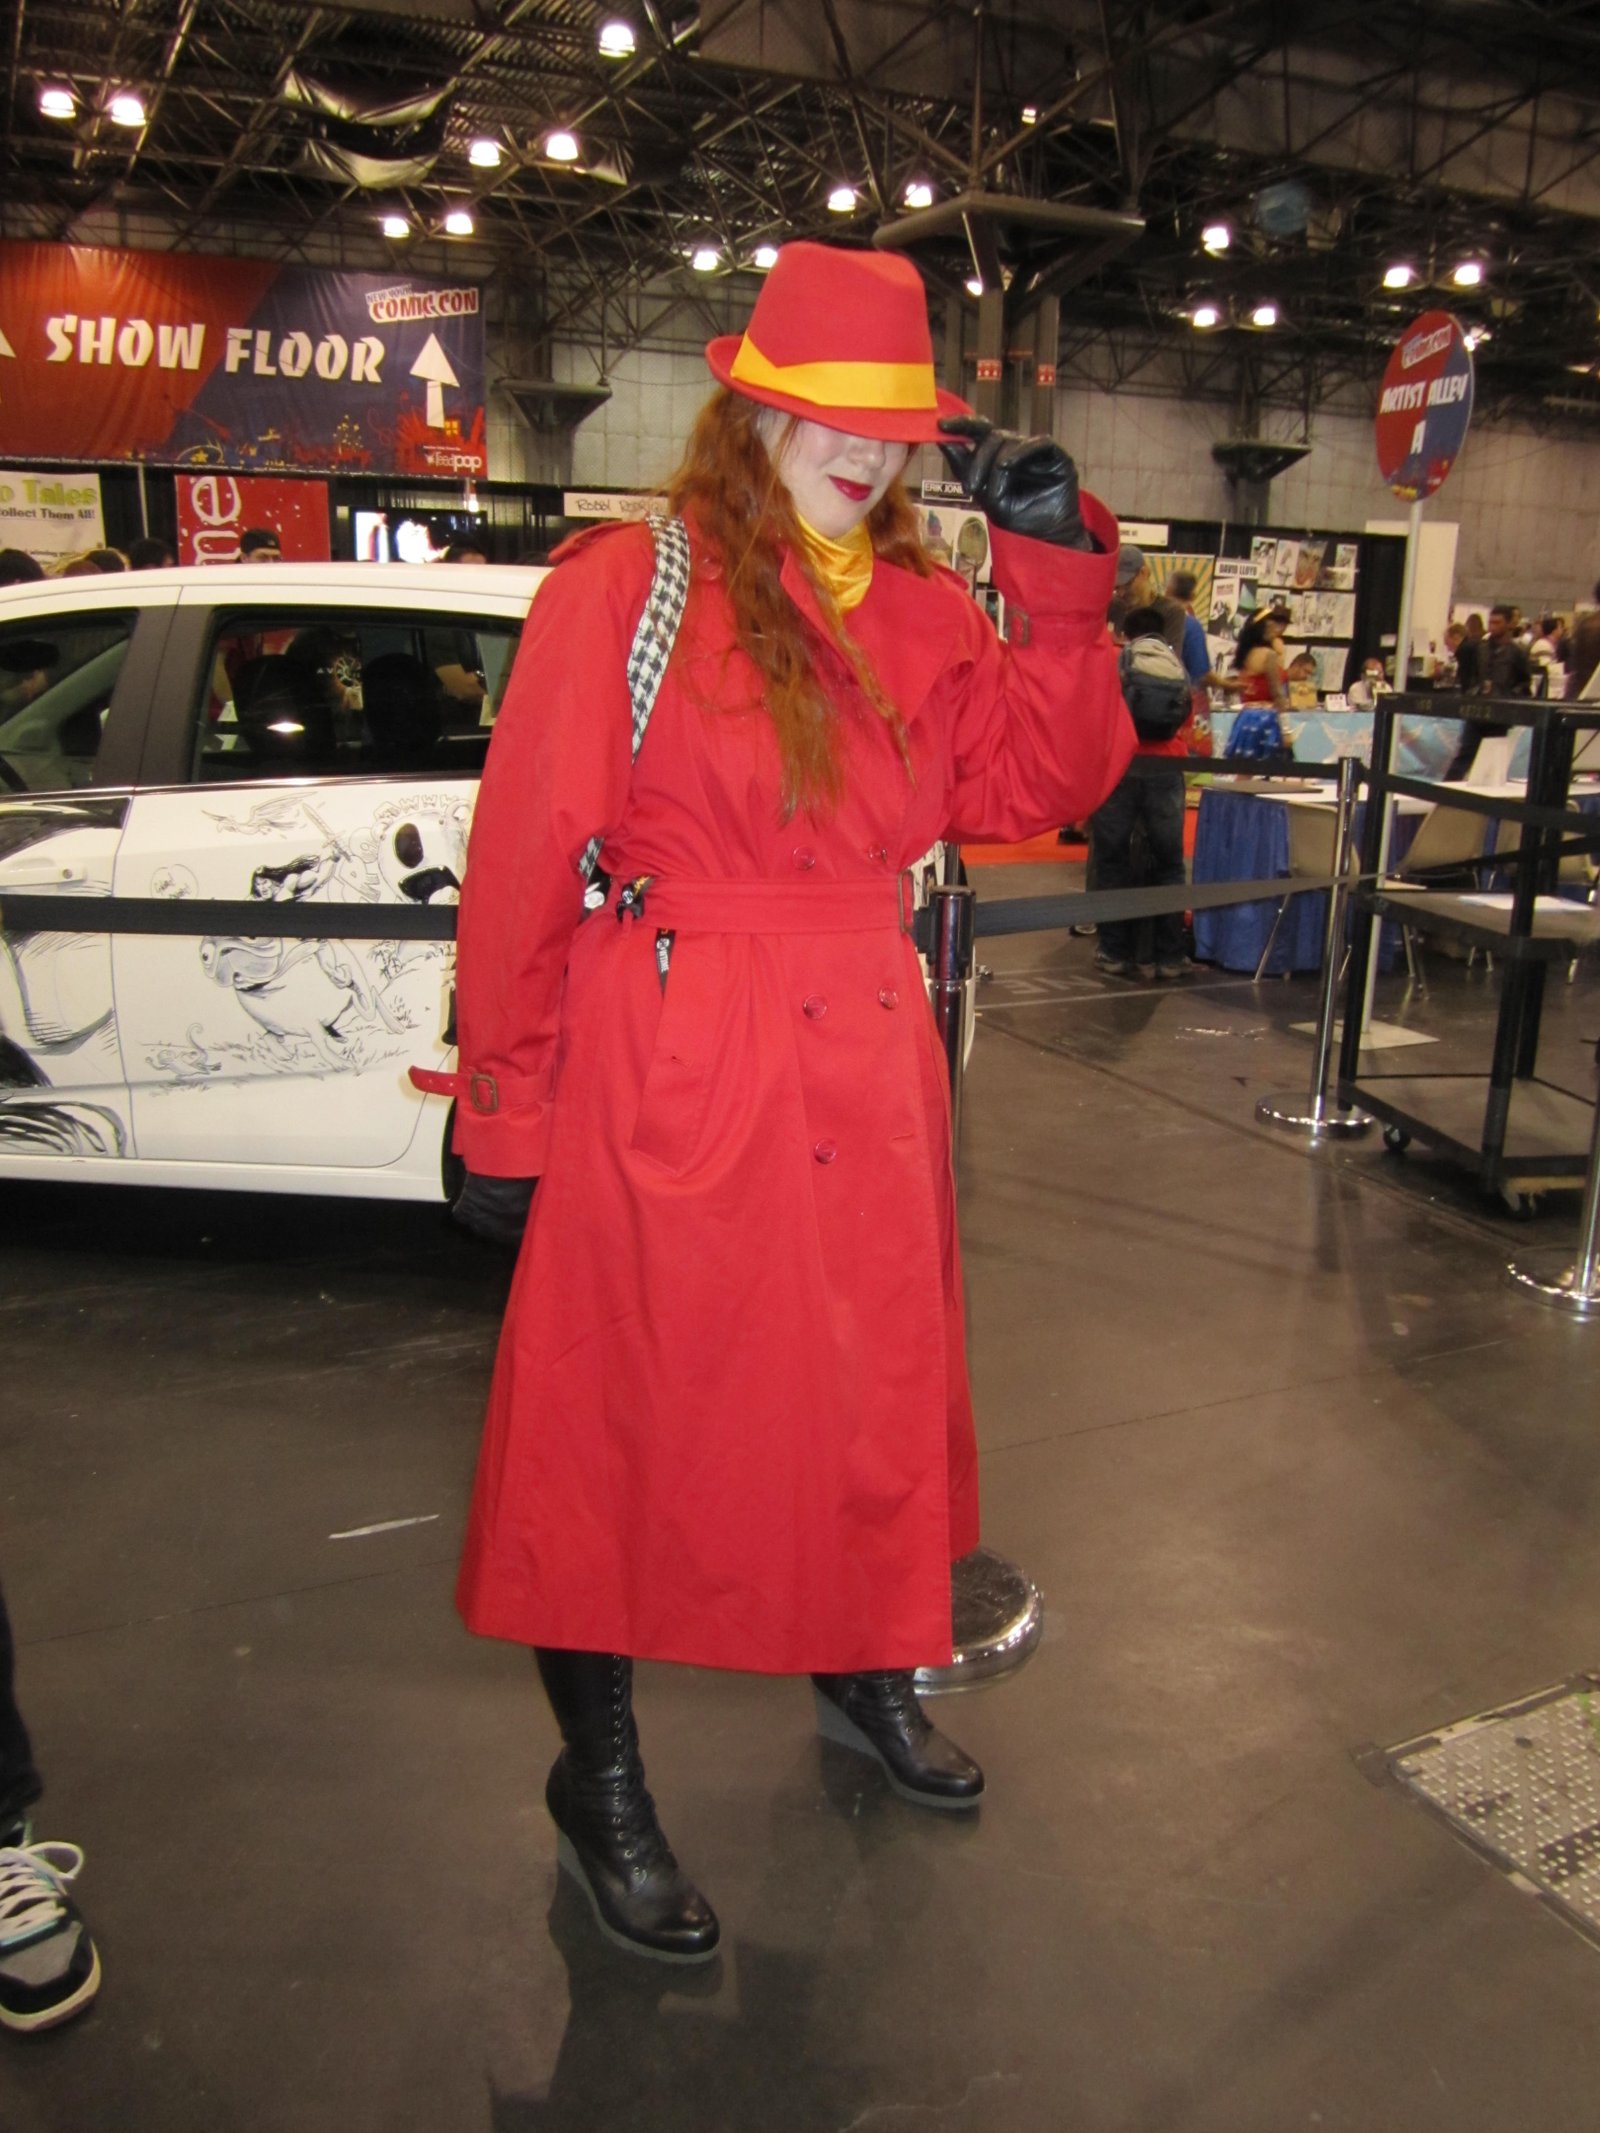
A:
[214,509]
[50,515]
[196,362]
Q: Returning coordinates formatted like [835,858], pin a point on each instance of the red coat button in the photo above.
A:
[804,858]
[879,852]
[825,1151]
[888,998]
[815,1006]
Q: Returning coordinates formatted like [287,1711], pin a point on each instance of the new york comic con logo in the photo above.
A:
[392,307]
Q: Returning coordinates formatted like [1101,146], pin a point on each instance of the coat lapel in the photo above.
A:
[906,626]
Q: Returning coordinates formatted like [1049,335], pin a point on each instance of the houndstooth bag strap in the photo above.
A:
[653,639]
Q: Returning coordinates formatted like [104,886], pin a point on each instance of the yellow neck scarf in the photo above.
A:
[845,567]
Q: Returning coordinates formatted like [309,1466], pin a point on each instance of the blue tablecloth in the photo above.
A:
[1243,836]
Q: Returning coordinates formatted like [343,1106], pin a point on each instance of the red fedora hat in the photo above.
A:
[842,339]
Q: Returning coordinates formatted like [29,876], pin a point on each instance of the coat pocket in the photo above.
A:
[677,1082]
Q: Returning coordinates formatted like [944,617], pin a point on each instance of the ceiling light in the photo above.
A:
[764,256]
[919,193]
[1205,315]
[1030,114]
[1468,274]
[458,223]
[1264,315]
[126,108]
[561,146]
[1475,334]
[616,40]
[705,259]
[974,285]
[1399,276]
[395,226]
[57,102]
[842,200]
[484,153]
[1216,237]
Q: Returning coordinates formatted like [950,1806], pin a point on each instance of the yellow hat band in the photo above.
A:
[907,386]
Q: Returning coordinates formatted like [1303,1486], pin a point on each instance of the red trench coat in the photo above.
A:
[730,1421]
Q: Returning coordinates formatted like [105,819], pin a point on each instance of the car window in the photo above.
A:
[56,677]
[347,692]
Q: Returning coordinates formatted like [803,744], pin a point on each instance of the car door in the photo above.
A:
[325,767]
[74,677]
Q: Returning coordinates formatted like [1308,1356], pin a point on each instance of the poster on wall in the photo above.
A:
[214,509]
[1304,565]
[195,362]
[51,515]
[1235,595]
[1164,568]
[959,540]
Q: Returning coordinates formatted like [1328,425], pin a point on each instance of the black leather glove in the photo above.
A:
[495,1209]
[1023,485]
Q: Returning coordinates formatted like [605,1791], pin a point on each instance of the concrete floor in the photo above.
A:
[1296,1474]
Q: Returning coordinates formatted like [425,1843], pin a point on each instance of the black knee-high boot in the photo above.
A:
[609,1838]
[878,1714]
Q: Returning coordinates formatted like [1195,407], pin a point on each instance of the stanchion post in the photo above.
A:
[996,1614]
[1574,1289]
[1313,1114]
[950,955]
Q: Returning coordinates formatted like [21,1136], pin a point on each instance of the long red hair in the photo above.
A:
[729,486]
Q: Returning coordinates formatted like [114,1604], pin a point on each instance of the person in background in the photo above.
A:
[730,1423]
[1544,652]
[1474,646]
[1258,661]
[1194,650]
[1301,678]
[1368,685]
[1150,793]
[464,552]
[1583,647]
[260,544]
[149,553]
[17,567]
[91,563]
[1135,587]
[49,1966]
[1507,671]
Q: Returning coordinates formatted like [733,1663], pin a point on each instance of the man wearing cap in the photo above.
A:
[730,1422]
[1136,588]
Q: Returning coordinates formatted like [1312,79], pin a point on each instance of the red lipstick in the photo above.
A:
[857,491]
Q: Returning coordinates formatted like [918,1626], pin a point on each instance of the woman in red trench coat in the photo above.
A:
[730,1422]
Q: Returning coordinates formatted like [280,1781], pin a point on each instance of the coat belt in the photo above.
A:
[744,906]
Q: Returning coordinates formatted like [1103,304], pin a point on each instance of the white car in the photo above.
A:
[261,779]
[296,746]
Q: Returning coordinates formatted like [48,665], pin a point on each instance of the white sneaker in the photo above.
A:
[49,1967]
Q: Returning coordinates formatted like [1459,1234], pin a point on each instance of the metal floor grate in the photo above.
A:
[1522,1785]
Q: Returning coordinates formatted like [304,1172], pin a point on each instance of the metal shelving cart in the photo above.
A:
[1518,1133]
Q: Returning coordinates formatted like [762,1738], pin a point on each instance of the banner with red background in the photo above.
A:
[214,509]
[187,361]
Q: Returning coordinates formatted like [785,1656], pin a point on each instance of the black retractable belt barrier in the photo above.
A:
[75,912]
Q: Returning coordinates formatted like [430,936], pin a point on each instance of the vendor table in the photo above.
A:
[1244,836]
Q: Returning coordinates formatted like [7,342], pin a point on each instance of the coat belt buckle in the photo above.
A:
[906,888]
[483,1092]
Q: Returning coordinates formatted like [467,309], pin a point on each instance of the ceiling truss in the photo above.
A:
[1334,138]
